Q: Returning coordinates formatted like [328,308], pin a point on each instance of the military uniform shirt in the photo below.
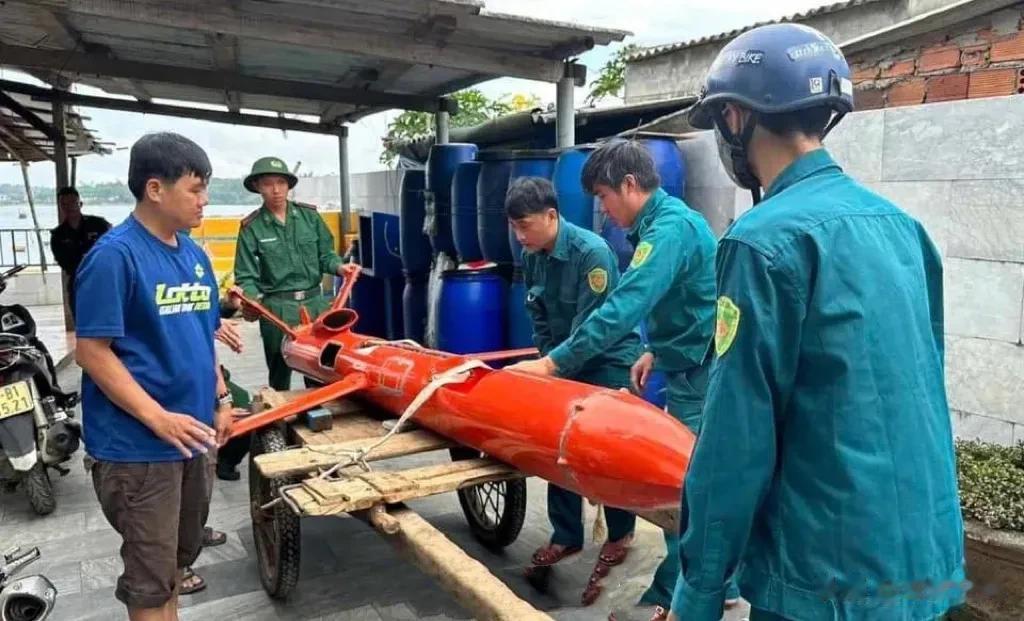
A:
[565,286]
[272,257]
[825,465]
[670,283]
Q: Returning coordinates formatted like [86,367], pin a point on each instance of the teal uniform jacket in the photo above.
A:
[825,466]
[563,288]
[670,283]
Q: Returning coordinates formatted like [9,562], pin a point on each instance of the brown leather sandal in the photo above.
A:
[553,553]
[660,614]
[612,553]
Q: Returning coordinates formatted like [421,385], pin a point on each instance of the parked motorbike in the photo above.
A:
[38,429]
[26,599]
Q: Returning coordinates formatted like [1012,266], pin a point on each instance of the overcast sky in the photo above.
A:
[233,148]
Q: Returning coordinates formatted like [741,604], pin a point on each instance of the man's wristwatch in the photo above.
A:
[224,400]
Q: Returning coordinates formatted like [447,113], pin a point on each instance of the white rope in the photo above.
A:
[600,532]
[455,375]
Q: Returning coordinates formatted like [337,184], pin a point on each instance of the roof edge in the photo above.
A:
[668,48]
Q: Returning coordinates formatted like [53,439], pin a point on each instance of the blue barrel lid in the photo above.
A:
[452,145]
[517,154]
[476,271]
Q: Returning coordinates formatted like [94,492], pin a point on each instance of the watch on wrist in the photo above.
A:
[225,400]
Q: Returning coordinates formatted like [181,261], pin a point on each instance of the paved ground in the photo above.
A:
[349,573]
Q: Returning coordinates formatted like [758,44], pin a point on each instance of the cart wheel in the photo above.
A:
[496,510]
[275,530]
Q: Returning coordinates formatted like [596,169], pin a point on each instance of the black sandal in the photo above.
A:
[197,586]
[213,538]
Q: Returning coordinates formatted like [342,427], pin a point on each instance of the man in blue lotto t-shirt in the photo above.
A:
[153,399]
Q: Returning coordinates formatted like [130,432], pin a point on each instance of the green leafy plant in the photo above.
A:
[612,77]
[991,479]
[474,108]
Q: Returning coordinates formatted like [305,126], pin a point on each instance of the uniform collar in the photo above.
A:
[647,210]
[561,249]
[808,164]
[269,215]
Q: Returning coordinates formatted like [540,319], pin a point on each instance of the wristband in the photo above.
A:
[225,399]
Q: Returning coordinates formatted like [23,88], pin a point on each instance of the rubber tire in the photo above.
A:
[39,490]
[279,583]
[510,524]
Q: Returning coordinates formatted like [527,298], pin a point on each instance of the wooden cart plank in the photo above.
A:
[352,420]
[468,580]
[303,460]
[363,491]
[353,426]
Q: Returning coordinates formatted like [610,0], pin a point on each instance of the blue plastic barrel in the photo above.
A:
[492,225]
[668,159]
[369,301]
[441,165]
[520,328]
[414,307]
[471,312]
[528,164]
[414,245]
[464,214]
[574,203]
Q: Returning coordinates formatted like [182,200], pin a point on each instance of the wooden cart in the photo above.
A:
[285,484]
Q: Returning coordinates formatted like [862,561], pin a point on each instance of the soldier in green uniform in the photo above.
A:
[568,272]
[670,283]
[826,467]
[284,249]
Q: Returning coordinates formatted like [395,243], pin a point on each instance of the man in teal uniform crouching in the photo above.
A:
[825,467]
[670,283]
[568,272]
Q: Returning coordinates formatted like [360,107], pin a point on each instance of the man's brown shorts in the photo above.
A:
[159,509]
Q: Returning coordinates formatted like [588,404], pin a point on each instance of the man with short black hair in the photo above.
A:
[825,468]
[153,398]
[670,283]
[568,272]
[74,237]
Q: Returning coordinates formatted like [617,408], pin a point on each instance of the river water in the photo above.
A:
[18,242]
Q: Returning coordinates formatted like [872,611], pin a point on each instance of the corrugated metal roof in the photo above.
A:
[659,50]
[20,141]
[417,49]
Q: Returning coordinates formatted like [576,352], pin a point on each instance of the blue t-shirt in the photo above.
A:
[158,304]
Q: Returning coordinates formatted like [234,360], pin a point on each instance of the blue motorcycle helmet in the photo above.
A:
[773,69]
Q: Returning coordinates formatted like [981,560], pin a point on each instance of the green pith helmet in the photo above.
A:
[269,166]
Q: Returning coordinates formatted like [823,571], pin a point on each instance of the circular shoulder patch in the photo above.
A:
[597,278]
[643,250]
[727,324]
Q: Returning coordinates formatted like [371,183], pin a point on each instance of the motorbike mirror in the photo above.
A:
[28,599]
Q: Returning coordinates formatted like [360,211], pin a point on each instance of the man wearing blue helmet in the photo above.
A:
[825,464]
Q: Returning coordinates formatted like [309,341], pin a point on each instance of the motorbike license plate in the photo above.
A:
[15,399]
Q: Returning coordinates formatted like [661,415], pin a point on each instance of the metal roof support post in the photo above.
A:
[343,181]
[35,219]
[441,123]
[565,110]
[60,144]
[74,171]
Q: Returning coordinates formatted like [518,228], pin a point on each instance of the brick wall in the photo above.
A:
[983,57]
